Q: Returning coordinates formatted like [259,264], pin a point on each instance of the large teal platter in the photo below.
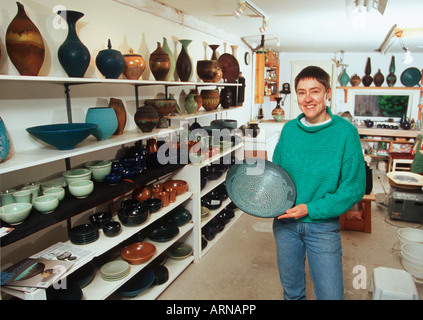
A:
[411,77]
[260,188]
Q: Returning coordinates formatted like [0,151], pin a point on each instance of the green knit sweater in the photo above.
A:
[326,163]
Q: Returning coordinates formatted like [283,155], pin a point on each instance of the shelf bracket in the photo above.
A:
[68,102]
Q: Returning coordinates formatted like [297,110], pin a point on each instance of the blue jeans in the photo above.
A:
[322,243]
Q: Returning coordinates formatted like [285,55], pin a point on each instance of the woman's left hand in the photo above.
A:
[295,212]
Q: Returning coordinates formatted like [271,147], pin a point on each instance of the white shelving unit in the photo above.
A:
[190,233]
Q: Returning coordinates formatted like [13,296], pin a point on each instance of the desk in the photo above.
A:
[365,208]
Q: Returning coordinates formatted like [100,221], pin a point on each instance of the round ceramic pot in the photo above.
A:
[106,120]
[207,70]
[146,118]
[211,99]
[110,62]
[134,65]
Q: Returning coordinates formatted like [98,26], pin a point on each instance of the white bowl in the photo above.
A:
[412,259]
[410,235]
[46,204]
[99,169]
[81,189]
[77,175]
[59,192]
[15,213]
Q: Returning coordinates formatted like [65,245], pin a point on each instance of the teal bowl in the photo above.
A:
[63,136]
[46,204]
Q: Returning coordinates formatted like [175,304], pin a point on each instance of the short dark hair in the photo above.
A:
[314,72]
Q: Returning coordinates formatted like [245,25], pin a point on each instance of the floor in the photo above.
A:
[242,265]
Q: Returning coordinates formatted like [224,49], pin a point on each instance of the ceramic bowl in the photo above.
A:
[99,169]
[133,215]
[77,175]
[46,204]
[15,213]
[100,218]
[180,216]
[22,196]
[59,192]
[111,228]
[53,184]
[81,189]
[139,252]
[153,204]
[63,136]
[181,186]
[113,179]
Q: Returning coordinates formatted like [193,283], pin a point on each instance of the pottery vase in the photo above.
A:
[214,47]
[152,150]
[355,80]
[226,97]
[74,57]
[378,78]
[207,70]
[184,63]
[191,105]
[106,120]
[134,65]
[344,78]
[165,46]
[367,78]
[391,78]
[159,63]
[211,99]
[4,141]
[24,44]
[146,118]
[110,62]
[197,98]
[119,108]
[278,113]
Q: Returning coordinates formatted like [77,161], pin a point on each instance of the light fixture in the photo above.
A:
[253,44]
[358,10]
[241,8]
[264,25]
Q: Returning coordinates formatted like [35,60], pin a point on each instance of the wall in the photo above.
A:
[356,64]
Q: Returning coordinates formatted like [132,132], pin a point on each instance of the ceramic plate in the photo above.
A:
[260,188]
[230,67]
[179,251]
[411,77]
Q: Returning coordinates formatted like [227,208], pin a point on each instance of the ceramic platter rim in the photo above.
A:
[251,201]
[412,73]
[224,66]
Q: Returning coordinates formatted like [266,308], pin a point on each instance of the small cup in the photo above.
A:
[23,196]
[59,192]
[164,196]
[81,189]
[46,204]
[35,189]
[172,194]
[7,196]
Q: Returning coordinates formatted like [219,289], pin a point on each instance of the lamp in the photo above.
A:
[241,8]
[407,56]
[243,5]
[264,25]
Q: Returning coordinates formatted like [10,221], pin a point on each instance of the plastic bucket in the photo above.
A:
[412,259]
[410,235]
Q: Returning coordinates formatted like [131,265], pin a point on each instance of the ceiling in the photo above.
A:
[310,25]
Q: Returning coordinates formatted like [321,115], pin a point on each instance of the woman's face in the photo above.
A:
[311,96]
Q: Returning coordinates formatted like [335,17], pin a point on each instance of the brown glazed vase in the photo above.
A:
[211,99]
[146,118]
[378,78]
[367,78]
[355,80]
[120,111]
[159,63]
[24,44]
[183,62]
[134,65]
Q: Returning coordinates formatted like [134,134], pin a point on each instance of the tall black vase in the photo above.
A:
[73,54]
[183,62]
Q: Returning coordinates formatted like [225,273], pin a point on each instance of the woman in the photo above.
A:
[322,154]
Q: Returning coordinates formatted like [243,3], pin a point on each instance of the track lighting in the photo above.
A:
[264,25]
[241,8]
[407,57]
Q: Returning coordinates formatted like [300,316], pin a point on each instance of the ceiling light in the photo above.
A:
[241,8]
[264,25]
[407,57]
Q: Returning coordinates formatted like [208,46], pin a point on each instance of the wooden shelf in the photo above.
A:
[378,88]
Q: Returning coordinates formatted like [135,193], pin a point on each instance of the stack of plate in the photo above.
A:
[205,213]
[84,234]
[179,251]
[115,270]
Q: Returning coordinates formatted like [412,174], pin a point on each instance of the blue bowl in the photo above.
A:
[63,136]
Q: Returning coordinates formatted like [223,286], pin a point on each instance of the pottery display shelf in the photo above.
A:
[378,88]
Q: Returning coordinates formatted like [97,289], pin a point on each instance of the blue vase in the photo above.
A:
[4,141]
[344,78]
[73,54]
[110,62]
[106,120]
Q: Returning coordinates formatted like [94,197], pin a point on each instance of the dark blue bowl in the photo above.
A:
[63,136]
